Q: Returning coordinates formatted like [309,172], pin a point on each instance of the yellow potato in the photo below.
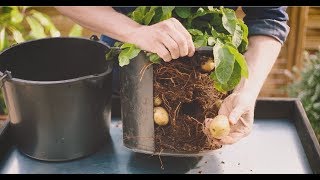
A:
[160,116]
[207,66]
[157,101]
[219,127]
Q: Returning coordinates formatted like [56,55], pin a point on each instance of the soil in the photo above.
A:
[189,96]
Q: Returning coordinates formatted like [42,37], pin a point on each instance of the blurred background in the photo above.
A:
[295,74]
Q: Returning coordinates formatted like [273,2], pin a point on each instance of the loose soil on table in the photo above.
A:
[189,96]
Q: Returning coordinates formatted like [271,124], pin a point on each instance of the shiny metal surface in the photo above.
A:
[272,147]
[59,97]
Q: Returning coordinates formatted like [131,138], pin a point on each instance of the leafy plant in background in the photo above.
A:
[215,27]
[22,23]
[307,88]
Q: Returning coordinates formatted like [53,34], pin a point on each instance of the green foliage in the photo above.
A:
[307,89]
[215,27]
[23,23]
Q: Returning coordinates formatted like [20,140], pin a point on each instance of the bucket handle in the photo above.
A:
[5,76]
[95,38]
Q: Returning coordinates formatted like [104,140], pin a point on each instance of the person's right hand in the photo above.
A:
[169,39]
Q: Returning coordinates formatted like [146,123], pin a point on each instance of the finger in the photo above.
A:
[180,40]
[182,29]
[171,45]
[236,114]
[232,138]
[163,53]
[227,105]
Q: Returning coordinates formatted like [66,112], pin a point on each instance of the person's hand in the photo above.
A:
[169,39]
[239,108]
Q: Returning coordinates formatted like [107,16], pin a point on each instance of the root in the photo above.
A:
[189,97]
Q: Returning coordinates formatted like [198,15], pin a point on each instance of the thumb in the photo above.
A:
[236,113]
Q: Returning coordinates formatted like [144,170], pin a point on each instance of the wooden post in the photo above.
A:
[298,19]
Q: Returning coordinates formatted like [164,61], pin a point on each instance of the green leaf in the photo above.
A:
[195,32]
[223,37]
[200,12]
[155,58]
[137,16]
[46,22]
[17,36]
[157,16]
[166,12]
[16,16]
[37,31]
[126,45]
[316,105]
[217,85]
[240,60]
[224,60]
[148,17]
[127,54]
[117,44]
[110,55]
[76,31]
[211,41]
[200,41]
[232,82]
[237,36]
[3,39]
[244,44]
[229,20]
[183,12]
[167,9]
[141,9]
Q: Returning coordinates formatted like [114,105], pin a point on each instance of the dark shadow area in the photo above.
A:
[151,164]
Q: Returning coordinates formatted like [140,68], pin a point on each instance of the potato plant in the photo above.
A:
[198,85]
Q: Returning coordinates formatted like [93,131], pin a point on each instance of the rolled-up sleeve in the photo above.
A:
[270,21]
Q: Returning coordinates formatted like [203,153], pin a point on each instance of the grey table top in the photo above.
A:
[272,147]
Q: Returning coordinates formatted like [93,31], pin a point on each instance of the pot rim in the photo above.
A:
[31,82]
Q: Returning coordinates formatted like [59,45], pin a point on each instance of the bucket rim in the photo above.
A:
[23,81]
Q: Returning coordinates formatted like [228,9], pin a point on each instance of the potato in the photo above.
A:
[160,116]
[207,66]
[157,101]
[219,127]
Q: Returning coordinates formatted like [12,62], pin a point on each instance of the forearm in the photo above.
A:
[260,56]
[104,20]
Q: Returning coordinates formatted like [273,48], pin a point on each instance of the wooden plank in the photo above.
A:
[312,42]
[293,21]
[303,21]
[314,21]
[314,10]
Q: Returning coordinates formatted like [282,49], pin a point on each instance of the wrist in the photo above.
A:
[247,87]
[132,35]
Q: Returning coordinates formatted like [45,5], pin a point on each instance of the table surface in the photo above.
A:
[272,147]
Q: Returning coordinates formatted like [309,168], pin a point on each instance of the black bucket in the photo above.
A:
[58,93]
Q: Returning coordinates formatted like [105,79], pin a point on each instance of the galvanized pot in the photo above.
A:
[58,92]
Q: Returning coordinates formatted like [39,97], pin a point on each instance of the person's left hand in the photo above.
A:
[239,108]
